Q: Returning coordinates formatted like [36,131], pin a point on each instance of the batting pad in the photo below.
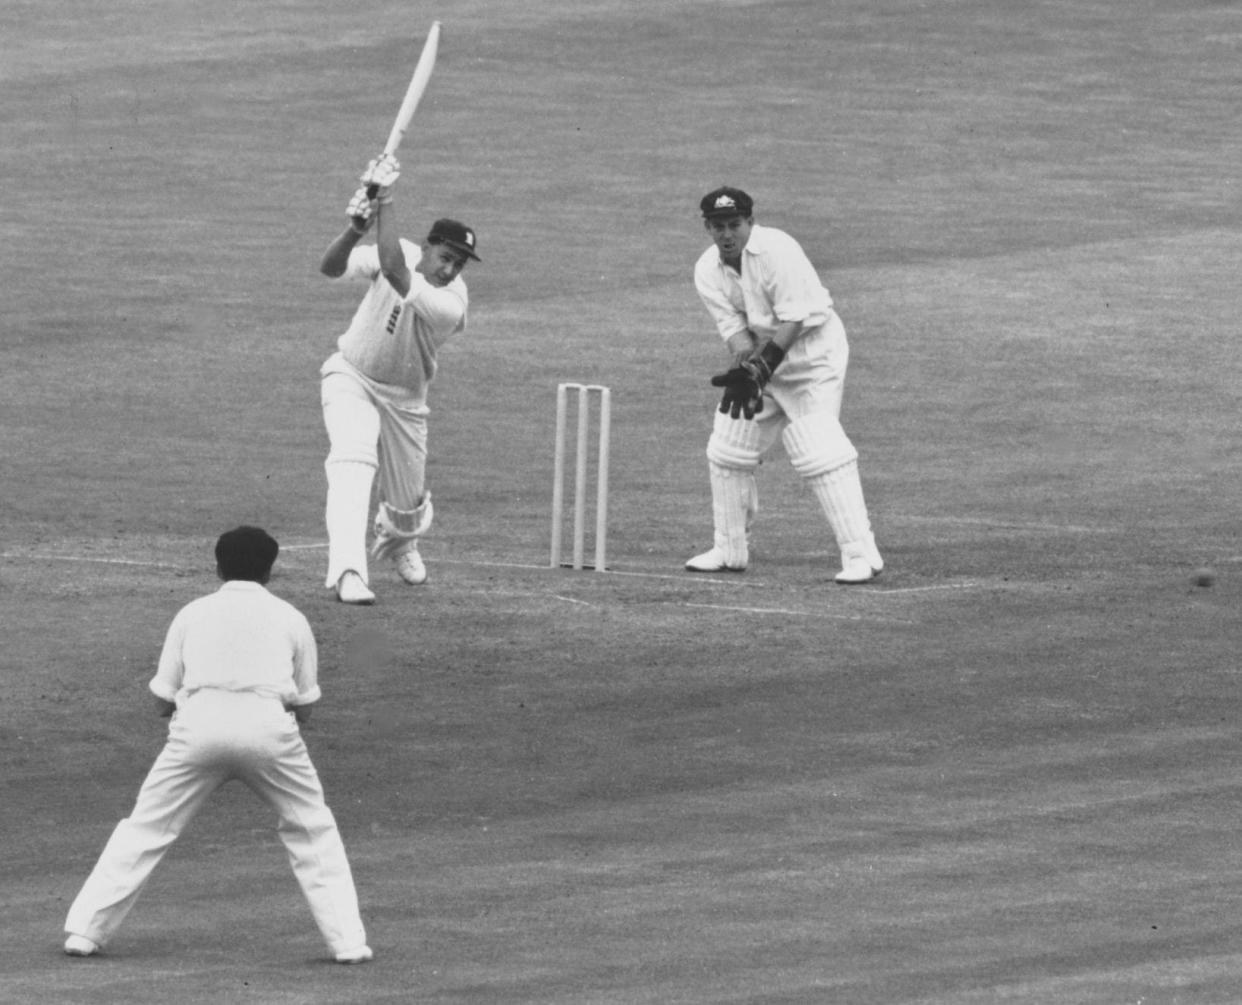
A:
[349,502]
[817,444]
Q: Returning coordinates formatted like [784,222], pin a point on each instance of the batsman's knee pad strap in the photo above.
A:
[404,523]
[396,528]
[817,444]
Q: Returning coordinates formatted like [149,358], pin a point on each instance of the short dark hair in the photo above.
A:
[246,553]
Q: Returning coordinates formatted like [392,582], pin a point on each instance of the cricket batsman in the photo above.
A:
[374,387]
[789,356]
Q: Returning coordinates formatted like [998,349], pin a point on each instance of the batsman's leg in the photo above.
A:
[396,537]
[405,512]
[353,423]
[823,455]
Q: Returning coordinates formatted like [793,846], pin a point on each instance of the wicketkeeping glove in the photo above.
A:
[380,176]
[360,211]
[763,361]
[743,394]
[744,384]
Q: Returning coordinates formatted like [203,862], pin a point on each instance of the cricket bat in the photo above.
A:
[413,93]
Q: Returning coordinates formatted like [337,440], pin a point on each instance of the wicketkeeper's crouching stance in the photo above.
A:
[238,672]
[789,359]
[374,388]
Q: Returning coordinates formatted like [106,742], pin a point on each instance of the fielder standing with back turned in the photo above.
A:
[374,387]
[238,672]
[789,359]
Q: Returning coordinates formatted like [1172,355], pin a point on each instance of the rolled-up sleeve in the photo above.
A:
[709,282]
[796,291]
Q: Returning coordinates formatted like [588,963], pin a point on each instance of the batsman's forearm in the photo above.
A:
[337,256]
[388,244]
[740,345]
[786,334]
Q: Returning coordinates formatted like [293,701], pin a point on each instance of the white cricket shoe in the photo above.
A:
[362,954]
[712,561]
[410,566]
[860,563]
[350,589]
[80,945]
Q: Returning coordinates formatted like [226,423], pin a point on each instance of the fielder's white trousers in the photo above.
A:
[217,736]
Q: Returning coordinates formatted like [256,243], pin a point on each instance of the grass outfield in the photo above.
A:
[1007,771]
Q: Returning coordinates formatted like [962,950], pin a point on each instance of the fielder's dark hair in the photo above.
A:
[246,553]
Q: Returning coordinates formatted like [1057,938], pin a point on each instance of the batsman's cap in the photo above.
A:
[455,234]
[726,201]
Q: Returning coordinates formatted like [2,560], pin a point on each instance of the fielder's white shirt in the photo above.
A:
[777,283]
[240,638]
[394,340]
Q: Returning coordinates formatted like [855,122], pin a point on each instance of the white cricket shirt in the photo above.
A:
[394,340]
[240,638]
[777,283]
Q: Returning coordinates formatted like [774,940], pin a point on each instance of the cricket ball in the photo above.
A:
[1204,576]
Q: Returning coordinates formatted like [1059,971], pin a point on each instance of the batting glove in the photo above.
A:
[360,211]
[380,176]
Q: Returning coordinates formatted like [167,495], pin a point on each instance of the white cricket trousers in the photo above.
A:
[371,427]
[214,737]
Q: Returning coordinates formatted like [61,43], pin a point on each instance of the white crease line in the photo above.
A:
[759,610]
[681,577]
[799,614]
[966,521]
[90,560]
[689,577]
[557,596]
[922,589]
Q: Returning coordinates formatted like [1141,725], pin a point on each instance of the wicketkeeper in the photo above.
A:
[789,359]
[374,387]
